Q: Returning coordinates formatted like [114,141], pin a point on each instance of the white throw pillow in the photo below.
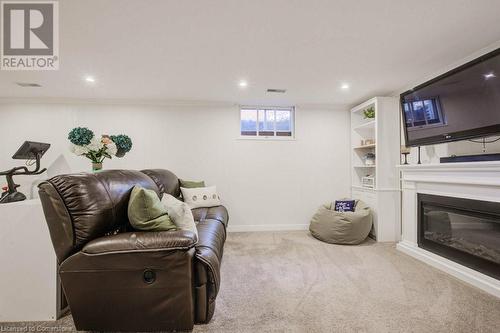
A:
[201,196]
[180,213]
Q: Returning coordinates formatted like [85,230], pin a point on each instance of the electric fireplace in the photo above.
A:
[463,230]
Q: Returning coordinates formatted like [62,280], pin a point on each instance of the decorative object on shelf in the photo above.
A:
[369,159]
[405,151]
[367,143]
[368,181]
[85,143]
[369,113]
[32,152]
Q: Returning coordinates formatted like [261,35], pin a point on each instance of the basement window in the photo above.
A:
[267,122]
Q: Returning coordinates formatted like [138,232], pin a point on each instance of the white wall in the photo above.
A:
[264,184]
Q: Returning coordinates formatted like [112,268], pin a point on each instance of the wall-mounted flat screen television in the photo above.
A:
[463,103]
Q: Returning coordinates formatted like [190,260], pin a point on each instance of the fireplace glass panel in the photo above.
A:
[463,230]
[479,236]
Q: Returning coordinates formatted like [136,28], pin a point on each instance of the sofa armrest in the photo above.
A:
[135,281]
[140,241]
[218,213]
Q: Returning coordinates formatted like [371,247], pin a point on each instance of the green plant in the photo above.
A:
[369,113]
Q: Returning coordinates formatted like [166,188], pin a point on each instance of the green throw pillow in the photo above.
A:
[191,183]
[146,212]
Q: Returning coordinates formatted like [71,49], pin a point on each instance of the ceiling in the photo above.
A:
[199,50]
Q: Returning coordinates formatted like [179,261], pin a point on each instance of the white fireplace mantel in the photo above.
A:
[473,180]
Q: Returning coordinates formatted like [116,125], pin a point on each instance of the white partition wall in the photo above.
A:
[28,285]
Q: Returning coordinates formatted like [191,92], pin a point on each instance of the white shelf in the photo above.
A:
[365,147]
[368,125]
[362,188]
[384,131]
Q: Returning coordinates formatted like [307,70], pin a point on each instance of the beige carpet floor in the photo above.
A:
[291,282]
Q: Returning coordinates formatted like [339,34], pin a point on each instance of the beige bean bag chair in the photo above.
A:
[331,226]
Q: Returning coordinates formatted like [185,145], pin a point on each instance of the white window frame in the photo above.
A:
[292,110]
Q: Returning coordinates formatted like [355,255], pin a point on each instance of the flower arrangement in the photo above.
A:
[123,143]
[97,149]
[369,113]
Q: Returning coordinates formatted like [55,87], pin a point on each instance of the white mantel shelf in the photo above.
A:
[471,166]
[471,180]
[471,173]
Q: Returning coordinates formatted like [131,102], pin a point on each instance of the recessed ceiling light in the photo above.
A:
[243,84]
[90,79]
[278,91]
[28,85]
[489,75]
[344,86]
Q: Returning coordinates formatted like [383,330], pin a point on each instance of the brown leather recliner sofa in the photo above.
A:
[118,279]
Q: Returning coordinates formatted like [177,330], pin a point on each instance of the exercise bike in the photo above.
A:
[30,151]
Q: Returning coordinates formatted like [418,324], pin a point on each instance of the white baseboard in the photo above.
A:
[479,280]
[267,227]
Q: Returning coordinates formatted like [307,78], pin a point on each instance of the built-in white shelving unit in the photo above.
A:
[377,184]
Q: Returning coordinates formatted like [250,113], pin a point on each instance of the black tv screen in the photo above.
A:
[461,104]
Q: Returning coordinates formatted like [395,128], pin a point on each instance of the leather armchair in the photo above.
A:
[118,279]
